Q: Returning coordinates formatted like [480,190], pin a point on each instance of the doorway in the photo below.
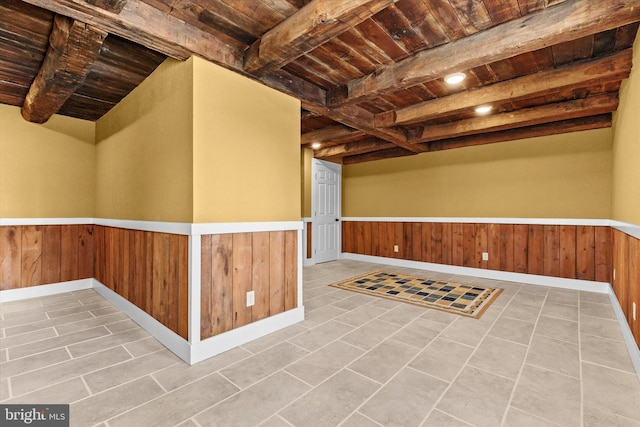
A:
[326,208]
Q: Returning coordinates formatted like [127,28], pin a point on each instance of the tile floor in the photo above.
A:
[538,357]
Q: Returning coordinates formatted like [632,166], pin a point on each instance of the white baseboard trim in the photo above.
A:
[9,295]
[631,229]
[632,347]
[532,279]
[498,220]
[236,337]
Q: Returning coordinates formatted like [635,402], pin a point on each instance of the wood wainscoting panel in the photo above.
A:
[32,255]
[626,277]
[234,264]
[149,269]
[568,251]
[634,287]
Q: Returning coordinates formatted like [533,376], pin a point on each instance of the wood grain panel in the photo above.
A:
[602,254]
[276,272]
[407,240]
[375,238]
[85,254]
[51,254]
[506,247]
[221,284]
[360,237]
[366,235]
[383,239]
[206,288]
[520,248]
[31,272]
[260,259]
[98,253]
[535,260]
[10,257]
[348,236]
[398,231]
[290,270]
[436,242]
[416,242]
[457,244]
[493,246]
[634,286]
[447,243]
[481,245]
[241,278]
[161,260]
[309,248]
[551,255]
[469,245]
[620,282]
[567,242]
[585,252]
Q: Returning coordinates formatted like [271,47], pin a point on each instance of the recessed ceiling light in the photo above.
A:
[483,109]
[316,145]
[455,78]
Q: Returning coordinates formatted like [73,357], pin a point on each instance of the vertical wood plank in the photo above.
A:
[383,239]
[359,237]
[366,231]
[567,241]
[346,236]
[173,283]
[126,270]
[260,275]
[457,250]
[416,233]
[536,249]
[98,247]
[69,244]
[148,268]
[407,240]
[183,287]
[469,245]
[276,272]
[10,257]
[222,271]
[310,242]
[291,269]
[375,238]
[447,242]
[85,257]
[603,254]
[634,286]
[620,282]
[398,231]
[109,258]
[494,246]
[391,239]
[520,248]
[506,247]
[137,294]
[436,242]
[51,254]
[241,278]
[481,245]
[206,287]
[551,251]
[161,261]
[31,274]
[426,241]
[585,252]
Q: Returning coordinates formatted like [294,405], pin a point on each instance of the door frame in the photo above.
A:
[314,191]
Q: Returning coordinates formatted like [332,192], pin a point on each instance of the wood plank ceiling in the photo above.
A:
[369,73]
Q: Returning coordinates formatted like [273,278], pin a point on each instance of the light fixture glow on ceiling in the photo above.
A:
[455,78]
[483,109]
[316,145]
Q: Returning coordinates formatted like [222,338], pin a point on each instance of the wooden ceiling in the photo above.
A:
[369,73]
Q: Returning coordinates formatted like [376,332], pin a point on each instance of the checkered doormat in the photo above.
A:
[465,300]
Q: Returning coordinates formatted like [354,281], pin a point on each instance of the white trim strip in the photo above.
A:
[155,226]
[9,295]
[629,340]
[244,227]
[533,221]
[532,279]
[44,221]
[195,287]
[631,229]
[236,337]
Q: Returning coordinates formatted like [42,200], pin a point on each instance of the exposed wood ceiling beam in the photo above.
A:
[377,155]
[614,67]
[352,148]
[311,26]
[114,6]
[330,134]
[150,27]
[598,104]
[73,48]
[554,128]
[560,23]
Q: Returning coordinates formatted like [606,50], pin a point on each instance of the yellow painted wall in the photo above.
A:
[144,150]
[246,149]
[48,170]
[306,158]
[561,176]
[626,147]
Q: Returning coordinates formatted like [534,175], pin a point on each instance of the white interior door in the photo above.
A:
[326,231]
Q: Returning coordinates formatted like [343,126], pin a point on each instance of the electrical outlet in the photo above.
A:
[395,248]
[634,311]
[485,256]
[614,274]
[251,298]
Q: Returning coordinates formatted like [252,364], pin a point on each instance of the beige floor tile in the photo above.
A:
[561,311]
[597,417]
[182,373]
[361,315]
[320,365]
[322,335]
[387,304]
[554,355]
[355,301]
[499,357]
[406,400]
[564,296]
[270,340]
[518,418]
[4,389]
[103,311]
[320,316]
[371,334]
[442,359]
[3,356]
[611,390]
[324,300]
[77,309]
[30,363]
[605,328]
[403,314]
[331,402]
[108,404]
[126,371]
[477,397]
[48,323]
[121,326]
[560,329]
[523,297]
[40,378]
[597,310]
[384,361]
[143,346]
[520,311]
[439,316]
[594,297]
[514,330]
[28,313]
[56,342]
[469,333]
[440,419]
[605,352]
[261,365]
[254,405]
[550,395]
[64,392]
[418,333]
[88,323]
[26,338]
[179,405]
[534,290]
[275,421]
[188,423]
[108,341]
